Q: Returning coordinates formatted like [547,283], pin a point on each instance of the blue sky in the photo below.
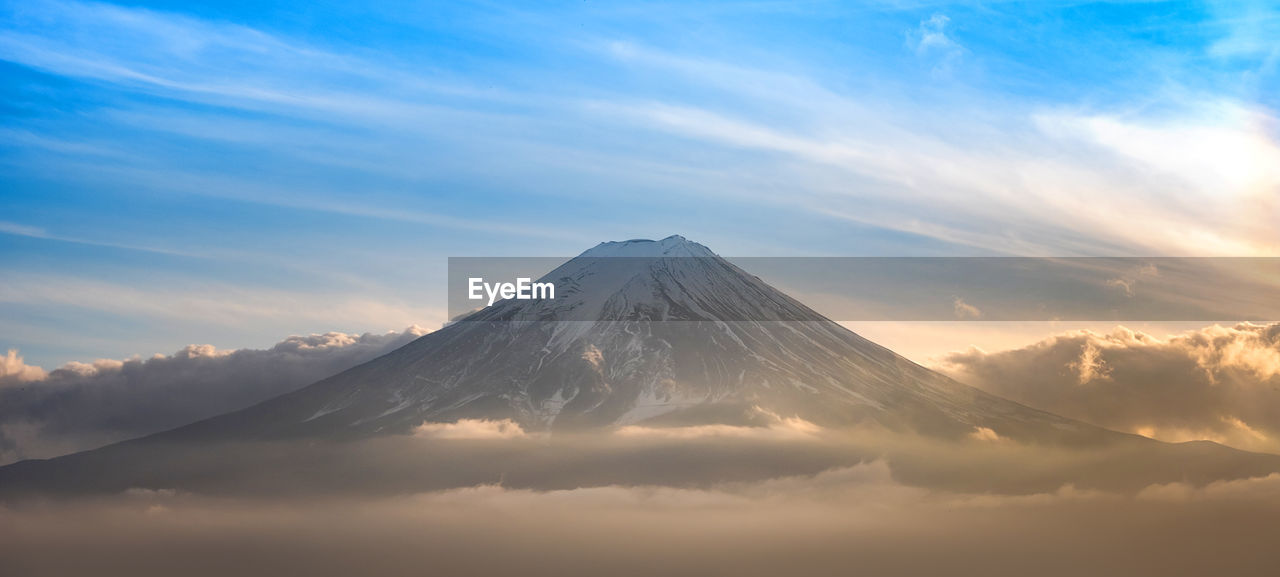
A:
[236,172]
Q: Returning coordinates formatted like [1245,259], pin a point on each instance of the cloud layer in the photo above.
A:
[788,498]
[84,405]
[853,519]
[1217,383]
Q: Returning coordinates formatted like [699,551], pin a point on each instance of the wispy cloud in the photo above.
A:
[966,311]
[22,230]
[931,41]
[218,305]
[212,62]
[38,232]
[941,180]
[949,175]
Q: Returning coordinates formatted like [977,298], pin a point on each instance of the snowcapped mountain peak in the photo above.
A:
[661,280]
[672,246]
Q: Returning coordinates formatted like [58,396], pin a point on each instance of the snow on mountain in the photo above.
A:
[672,246]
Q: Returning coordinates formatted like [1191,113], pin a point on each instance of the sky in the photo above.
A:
[232,173]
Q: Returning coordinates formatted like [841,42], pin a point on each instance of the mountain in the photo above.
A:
[661,331]
[656,332]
